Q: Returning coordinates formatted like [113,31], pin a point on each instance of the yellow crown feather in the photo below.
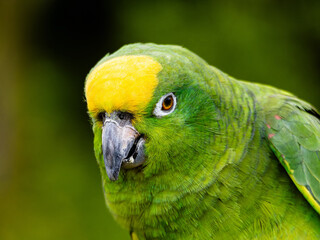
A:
[123,83]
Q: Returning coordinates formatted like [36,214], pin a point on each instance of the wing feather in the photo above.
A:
[294,136]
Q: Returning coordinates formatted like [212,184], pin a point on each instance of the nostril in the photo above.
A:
[125,116]
[101,116]
[121,115]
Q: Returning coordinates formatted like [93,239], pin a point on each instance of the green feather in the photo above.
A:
[295,140]
[216,166]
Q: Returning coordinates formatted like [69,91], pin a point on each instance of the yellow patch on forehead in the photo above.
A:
[123,83]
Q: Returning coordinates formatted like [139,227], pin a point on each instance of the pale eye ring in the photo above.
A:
[165,105]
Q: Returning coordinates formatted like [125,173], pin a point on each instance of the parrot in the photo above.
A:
[186,151]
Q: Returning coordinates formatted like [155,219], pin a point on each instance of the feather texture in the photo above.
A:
[212,168]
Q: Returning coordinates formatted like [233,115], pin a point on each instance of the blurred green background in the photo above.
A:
[49,181]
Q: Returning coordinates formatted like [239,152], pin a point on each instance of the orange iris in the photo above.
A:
[167,103]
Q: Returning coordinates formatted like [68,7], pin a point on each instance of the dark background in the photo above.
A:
[49,181]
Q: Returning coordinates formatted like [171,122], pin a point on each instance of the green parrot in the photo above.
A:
[187,152]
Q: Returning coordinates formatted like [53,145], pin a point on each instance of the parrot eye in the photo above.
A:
[166,105]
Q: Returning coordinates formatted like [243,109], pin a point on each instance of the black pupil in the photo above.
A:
[167,101]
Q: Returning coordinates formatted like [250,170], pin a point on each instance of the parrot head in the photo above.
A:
[151,111]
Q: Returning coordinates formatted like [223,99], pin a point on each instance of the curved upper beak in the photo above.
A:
[122,145]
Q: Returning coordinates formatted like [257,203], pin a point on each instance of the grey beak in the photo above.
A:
[122,145]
